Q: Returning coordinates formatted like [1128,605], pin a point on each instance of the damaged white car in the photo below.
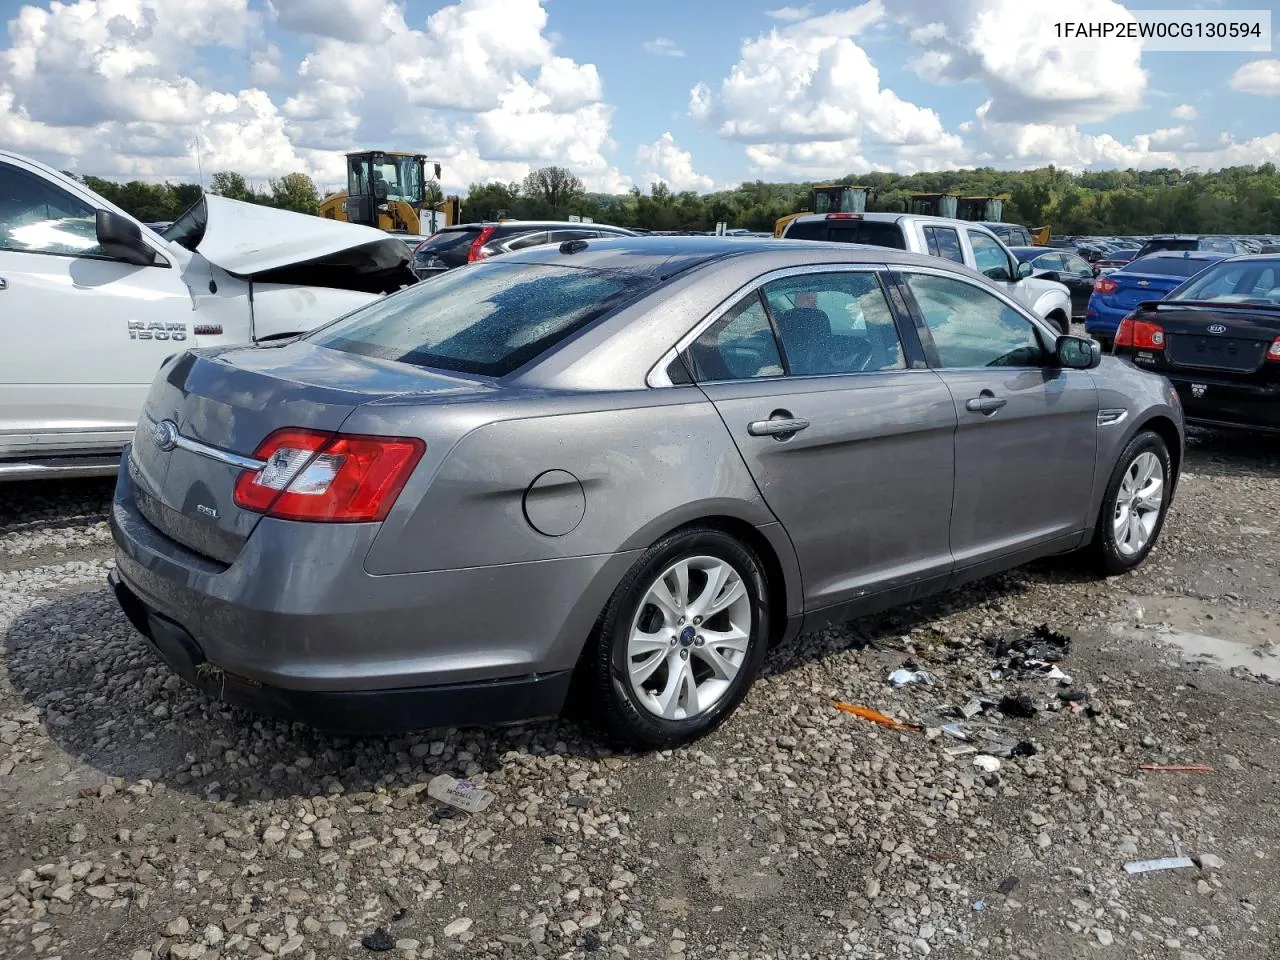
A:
[92,302]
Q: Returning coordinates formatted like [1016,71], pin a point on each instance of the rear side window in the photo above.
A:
[1166,266]
[488,319]
[873,232]
[447,239]
[738,346]
[944,242]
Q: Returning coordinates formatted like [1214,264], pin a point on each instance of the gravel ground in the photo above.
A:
[139,819]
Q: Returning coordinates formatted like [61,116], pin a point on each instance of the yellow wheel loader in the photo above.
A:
[389,191]
[829,198]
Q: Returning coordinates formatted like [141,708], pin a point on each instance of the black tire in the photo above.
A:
[1061,322]
[1107,555]
[606,690]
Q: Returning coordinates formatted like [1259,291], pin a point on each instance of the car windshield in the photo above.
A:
[488,319]
[1256,281]
[1165,266]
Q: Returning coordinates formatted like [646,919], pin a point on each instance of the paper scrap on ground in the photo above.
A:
[459,793]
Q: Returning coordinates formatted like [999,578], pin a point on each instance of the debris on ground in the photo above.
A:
[904,677]
[462,794]
[1176,767]
[379,941]
[986,762]
[1007,886]
[1036,652]
[1164,863]
[875,716]
[1020,705]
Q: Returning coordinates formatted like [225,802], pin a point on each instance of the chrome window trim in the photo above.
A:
[657,375]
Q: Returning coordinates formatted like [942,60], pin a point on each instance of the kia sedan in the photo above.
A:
[617,471]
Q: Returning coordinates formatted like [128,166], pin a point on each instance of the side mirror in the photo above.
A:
[1050,275]
[121,238]
[1024,270]
[1078,353]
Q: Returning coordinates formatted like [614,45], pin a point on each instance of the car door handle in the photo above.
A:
[777,427]
[985,402]
[4,284]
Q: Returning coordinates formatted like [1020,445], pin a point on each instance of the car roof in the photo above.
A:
[665,256]
[1020,252]
[531,224]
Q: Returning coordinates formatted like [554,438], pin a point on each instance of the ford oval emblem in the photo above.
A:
[1216,328]
[165,435]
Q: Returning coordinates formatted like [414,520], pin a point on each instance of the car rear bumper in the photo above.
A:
[380,711]
[295,627]
[1223,403]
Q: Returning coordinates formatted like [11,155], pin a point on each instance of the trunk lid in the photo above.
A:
[1133,288]
[1225,337]
[224,403]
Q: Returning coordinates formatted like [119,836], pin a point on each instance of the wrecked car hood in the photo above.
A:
[250,239]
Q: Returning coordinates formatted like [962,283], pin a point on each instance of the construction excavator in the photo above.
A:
[988,209]
[829,198]
[388,190]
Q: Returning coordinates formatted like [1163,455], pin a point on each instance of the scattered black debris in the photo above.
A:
[379,941]
[1073,696]
[1020,705]
[400,914]
[579,801]
[591,941]
[549,840]
[443,813]
[1007,886]
[1024,748]
[1036,652]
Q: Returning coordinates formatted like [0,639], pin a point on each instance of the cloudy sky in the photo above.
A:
[699,93]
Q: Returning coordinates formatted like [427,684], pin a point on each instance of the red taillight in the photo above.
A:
[477,245]
[334,478]
[1139,334]
[1273,352]
[844,216]
[1104,285]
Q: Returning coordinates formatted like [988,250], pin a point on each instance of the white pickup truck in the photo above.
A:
[92,302]
[960,240]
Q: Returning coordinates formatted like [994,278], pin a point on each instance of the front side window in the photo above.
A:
[1050,261]
[944,242]
[989,256]
[738,346]
[488,319]
[1077,266]
[972,327]
[37,217]
[831,323]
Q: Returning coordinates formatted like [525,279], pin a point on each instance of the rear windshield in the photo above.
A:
[1165,266]
[873,232]
[1248,281]
[447,239]
[487,319]
[1155,246]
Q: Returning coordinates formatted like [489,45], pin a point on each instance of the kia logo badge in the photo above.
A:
[1216,328]
[165,435]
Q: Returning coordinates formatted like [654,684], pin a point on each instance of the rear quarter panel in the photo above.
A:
[644,462]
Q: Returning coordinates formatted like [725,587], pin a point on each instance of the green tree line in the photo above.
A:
[1232,200]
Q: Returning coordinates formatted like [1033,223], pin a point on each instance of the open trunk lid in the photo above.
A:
[208,411]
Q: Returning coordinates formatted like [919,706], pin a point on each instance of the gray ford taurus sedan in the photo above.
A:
[619,467]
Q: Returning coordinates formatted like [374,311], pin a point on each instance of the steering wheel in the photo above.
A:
[852,358]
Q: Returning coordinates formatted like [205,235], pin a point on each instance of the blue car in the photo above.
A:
[1147,278]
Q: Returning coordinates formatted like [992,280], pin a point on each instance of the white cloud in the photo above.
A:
[1015,145]
[663,47]
[117,87]
[1010,47]
[1259,76]
[1184,111]
[664,160]
[790,14]
[354,20]
[807,98]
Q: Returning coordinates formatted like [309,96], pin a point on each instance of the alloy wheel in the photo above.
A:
[1138,504]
